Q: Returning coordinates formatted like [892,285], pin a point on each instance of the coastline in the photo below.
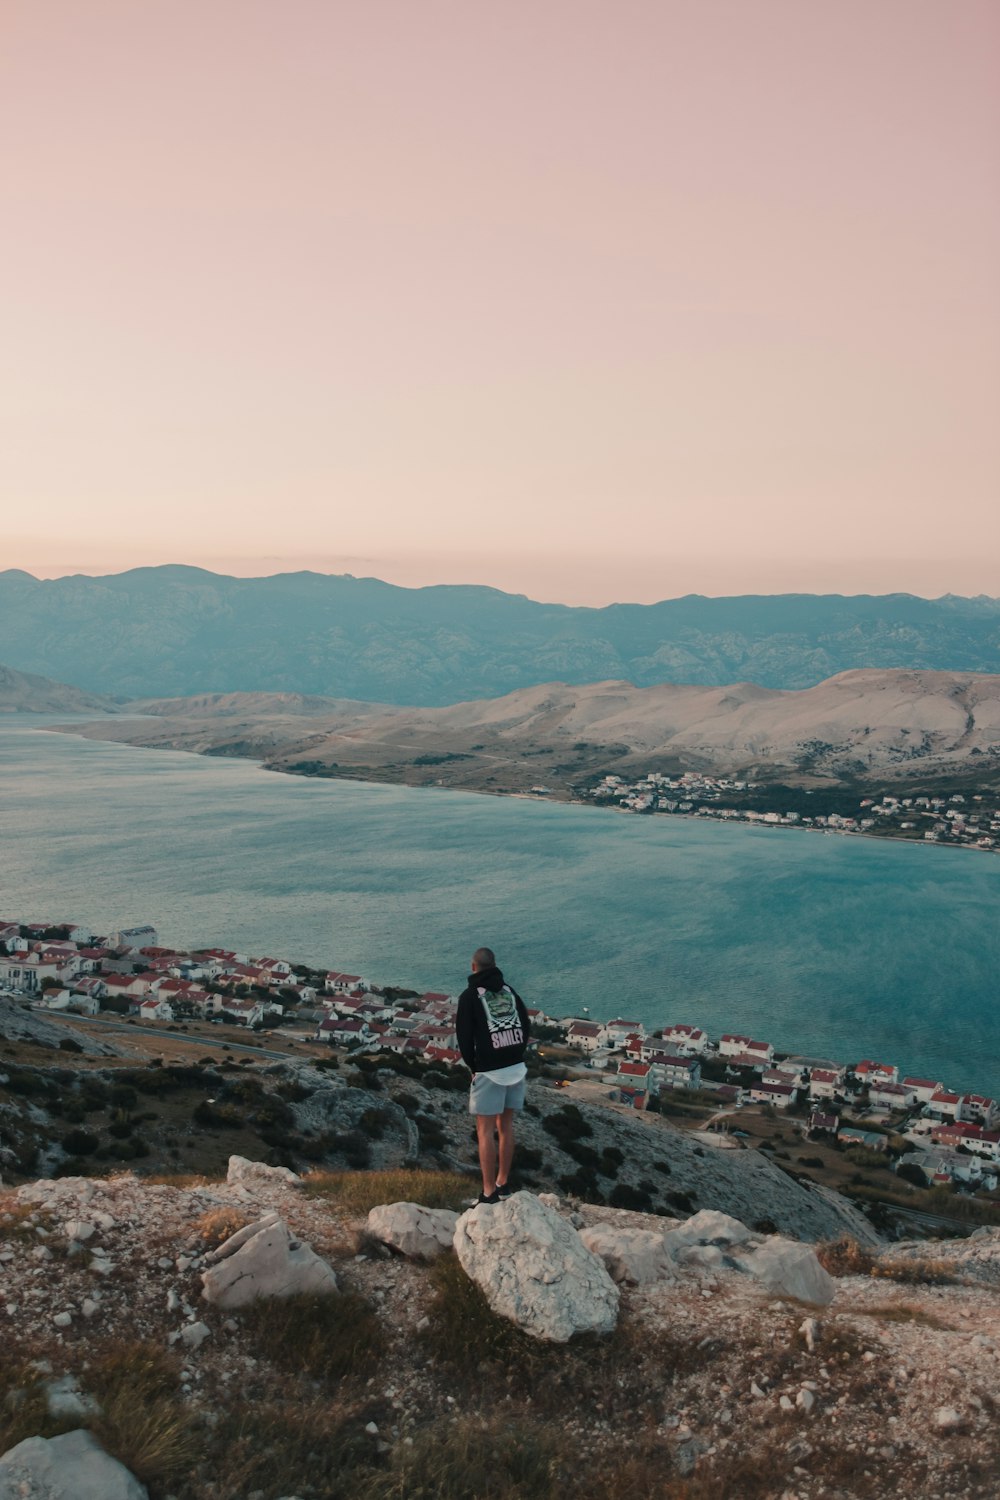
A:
[555,796]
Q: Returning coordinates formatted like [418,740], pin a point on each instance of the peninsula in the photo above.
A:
[907,754]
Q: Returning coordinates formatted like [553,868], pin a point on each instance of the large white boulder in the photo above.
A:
[71,1467]
[788,1269]
[412,1229]
[709,1227]
[245,1173]
[535,1270]
[635,1256]
[263,1260]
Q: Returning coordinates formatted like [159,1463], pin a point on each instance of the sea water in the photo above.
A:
[826,945]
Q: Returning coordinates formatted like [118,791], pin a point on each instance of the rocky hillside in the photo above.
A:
[264,1337]
[23,693]
[858,725]
[57,1120]
[177,630]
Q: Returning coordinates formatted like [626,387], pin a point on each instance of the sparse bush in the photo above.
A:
[80,1143]
[69,1044]
[845,1257]
[220,1224]
[623,1196]
[683,1201]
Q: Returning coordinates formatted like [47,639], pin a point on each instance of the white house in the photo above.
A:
[618,1031]
[781,1095]
[826,1083]
[980,1110]
[945,1105]
[672,1071]
[682,1040]
[923,1089]
[151,1008]
[890,1096]
[875,1072]
[586,1034]
[761,1053]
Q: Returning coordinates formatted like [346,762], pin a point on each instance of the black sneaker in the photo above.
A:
[492,1198]
[504,1190]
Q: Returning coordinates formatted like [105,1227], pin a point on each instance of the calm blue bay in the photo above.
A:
[822,944]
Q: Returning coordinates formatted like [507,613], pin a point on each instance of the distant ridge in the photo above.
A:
[858,724]
[179,630]
[22,692]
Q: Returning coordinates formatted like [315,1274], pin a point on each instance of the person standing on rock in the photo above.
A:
[493,1030]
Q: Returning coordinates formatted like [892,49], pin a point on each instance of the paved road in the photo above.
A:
[176,1036]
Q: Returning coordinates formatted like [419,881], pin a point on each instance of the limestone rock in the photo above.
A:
[709,1227]
[534,1269]
[245,1173]
[635,1256]
[789,1270]
[412,1229]
[262,1260]
[71,1467]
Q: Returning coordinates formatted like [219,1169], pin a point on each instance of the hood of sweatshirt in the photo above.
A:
[487,979]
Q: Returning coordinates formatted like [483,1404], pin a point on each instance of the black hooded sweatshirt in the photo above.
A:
[492,1024]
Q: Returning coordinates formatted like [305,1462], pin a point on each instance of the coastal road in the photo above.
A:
[176,1036]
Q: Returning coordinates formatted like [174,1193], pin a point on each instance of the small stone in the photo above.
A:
[195,1334]
[805,1400]
[63,1319]
[786,1403]
[810,1332]
[946,1419]
[868,1356]
[88,1307]
[164,1263]
[173,1301]
[79,1230]
[372,1429]
[755,1389]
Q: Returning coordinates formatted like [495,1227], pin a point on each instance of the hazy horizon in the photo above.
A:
[289,567]
[590,303]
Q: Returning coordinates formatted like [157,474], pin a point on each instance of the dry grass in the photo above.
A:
[358,1192]
[922,1271]
[331,1336]
[284,1447]
[143,1422]
[220,1224]
[621,1374]
[186,1180]
[475,1458]
[21,1221]
[901,1312]
[845,1257]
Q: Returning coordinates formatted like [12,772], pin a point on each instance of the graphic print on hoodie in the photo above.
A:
[502,1019]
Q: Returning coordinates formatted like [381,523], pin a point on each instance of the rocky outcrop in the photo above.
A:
[244,1173]
[71,1467]
[263,1260]
[788,1270]
[418,1232]
[535,1270]
[631,1256]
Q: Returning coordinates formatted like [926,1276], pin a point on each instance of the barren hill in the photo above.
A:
[857,724]
[21,692]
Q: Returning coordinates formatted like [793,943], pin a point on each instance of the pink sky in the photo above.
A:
[589,301]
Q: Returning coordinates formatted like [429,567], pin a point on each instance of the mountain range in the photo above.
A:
[172,631]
